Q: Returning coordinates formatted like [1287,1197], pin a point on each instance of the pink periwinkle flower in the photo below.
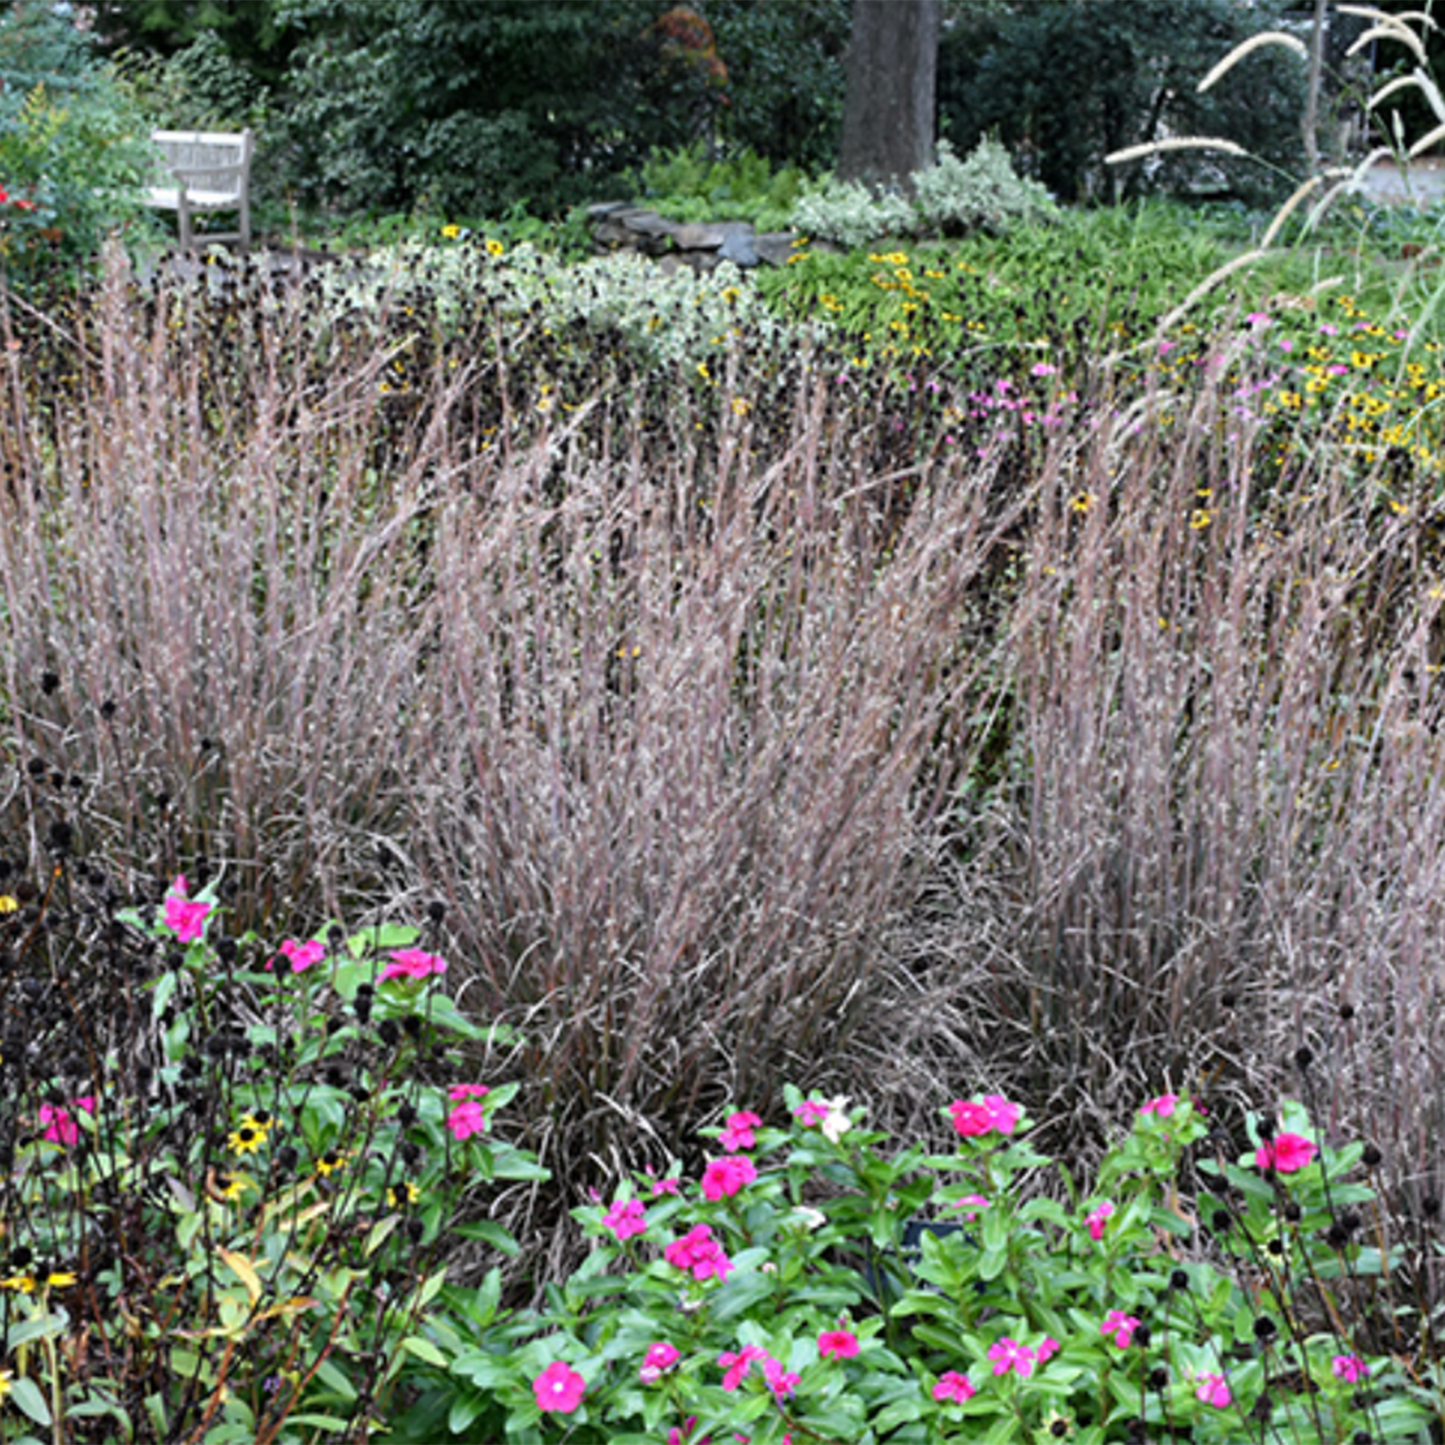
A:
[698,1252]
[1121,1327]
[679,1437]
[1349,1368]
[559,1389]
[660,1358]
[1162,1107]
[186,918]
[972,1118]
[666,1186]
[810,1113]
[626,1219]
[1285,1153]
[953,1386]
[972,1205]
[737,1363]
[1097,1219]
[738,1134]
[412,963]
[1043,368]
[1008,1355]
[839,1344]
[60,1125]
[1048,1349]
[301,956]
[724,1177]
[1213,1390]
[466,1119]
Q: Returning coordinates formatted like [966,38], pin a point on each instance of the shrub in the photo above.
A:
[980,193]
[851,215]
[71,145]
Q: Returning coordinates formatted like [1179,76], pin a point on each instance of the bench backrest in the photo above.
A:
[207,160]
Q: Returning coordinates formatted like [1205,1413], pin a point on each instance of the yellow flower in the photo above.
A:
[20,1283]
[496,248]
[250,1134]
[8,904]
[59,1279]
[329,1162]
[1200,519]
[1081,502]
[400,1195]
[451,232]
[703,372]
[740,406]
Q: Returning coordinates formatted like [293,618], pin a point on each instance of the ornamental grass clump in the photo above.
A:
[839,1288]
[232,1182]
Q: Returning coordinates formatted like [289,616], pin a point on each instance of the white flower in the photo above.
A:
[809,1218]
[837,1123]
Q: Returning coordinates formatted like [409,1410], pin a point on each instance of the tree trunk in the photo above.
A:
[888,106]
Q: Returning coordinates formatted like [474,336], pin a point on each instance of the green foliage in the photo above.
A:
[1064,83]
[850,214]
[71,143]
[785,78]
[473,108]
[687,186]
[981,193]
[821,1284]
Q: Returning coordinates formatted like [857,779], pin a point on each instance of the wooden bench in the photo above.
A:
[212,171]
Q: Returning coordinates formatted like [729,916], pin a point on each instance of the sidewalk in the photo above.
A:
[1423,185]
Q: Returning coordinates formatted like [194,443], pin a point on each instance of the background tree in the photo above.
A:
[1065,82]
[889,110]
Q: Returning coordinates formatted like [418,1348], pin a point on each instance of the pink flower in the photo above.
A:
[61,1127]
[1213,1390]
[1048,1349]
[626,1219]
[1285,1153]
[1097,1219]
[301,955]
[1163,1106]
[412,963]
[186,919]
[1121,1327]
[466,1119]
[1349,1368]
[972,1118]
[559,1389]
[736,1364]
[679,1437]
[666,1186]
[780,1381]
[841,1344]
[971,1204]
[810,1113]
[660,1357]
[1042,368]
[724,1177]
[953,1386]
[467,1091]
[1009,1355]
[739,1132]
[700,1253]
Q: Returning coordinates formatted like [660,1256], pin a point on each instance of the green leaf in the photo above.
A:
[423,1349]
[28,1399]
[320,1422]
[490,1231]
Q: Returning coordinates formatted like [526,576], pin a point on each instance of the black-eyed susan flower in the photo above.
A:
[330,1162]
[399,1196]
